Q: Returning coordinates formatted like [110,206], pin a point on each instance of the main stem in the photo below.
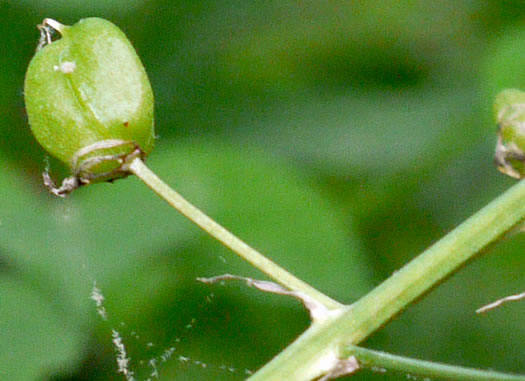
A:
[229,240]
[404,287]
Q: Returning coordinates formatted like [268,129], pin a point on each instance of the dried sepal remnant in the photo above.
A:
[499,302]
[318,311]
[84,173]
[68,185]
[89,101]
[49,29]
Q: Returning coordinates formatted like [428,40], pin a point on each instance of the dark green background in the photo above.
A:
[340,138]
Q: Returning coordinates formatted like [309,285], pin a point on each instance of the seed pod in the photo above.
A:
[509,108]
[88,99]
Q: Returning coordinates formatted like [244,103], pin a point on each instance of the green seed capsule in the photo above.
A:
[89,100]
[509,109]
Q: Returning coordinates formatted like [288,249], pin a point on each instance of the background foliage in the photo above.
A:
[340,138]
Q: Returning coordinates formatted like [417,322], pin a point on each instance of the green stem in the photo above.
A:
[371,312]
[229,240]
[374,360]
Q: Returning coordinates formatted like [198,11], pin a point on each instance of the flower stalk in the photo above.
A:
[225,237]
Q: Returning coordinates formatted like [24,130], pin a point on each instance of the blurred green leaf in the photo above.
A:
[376,134]
[341,45]
[37,338]
[36,239]
[43,293]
